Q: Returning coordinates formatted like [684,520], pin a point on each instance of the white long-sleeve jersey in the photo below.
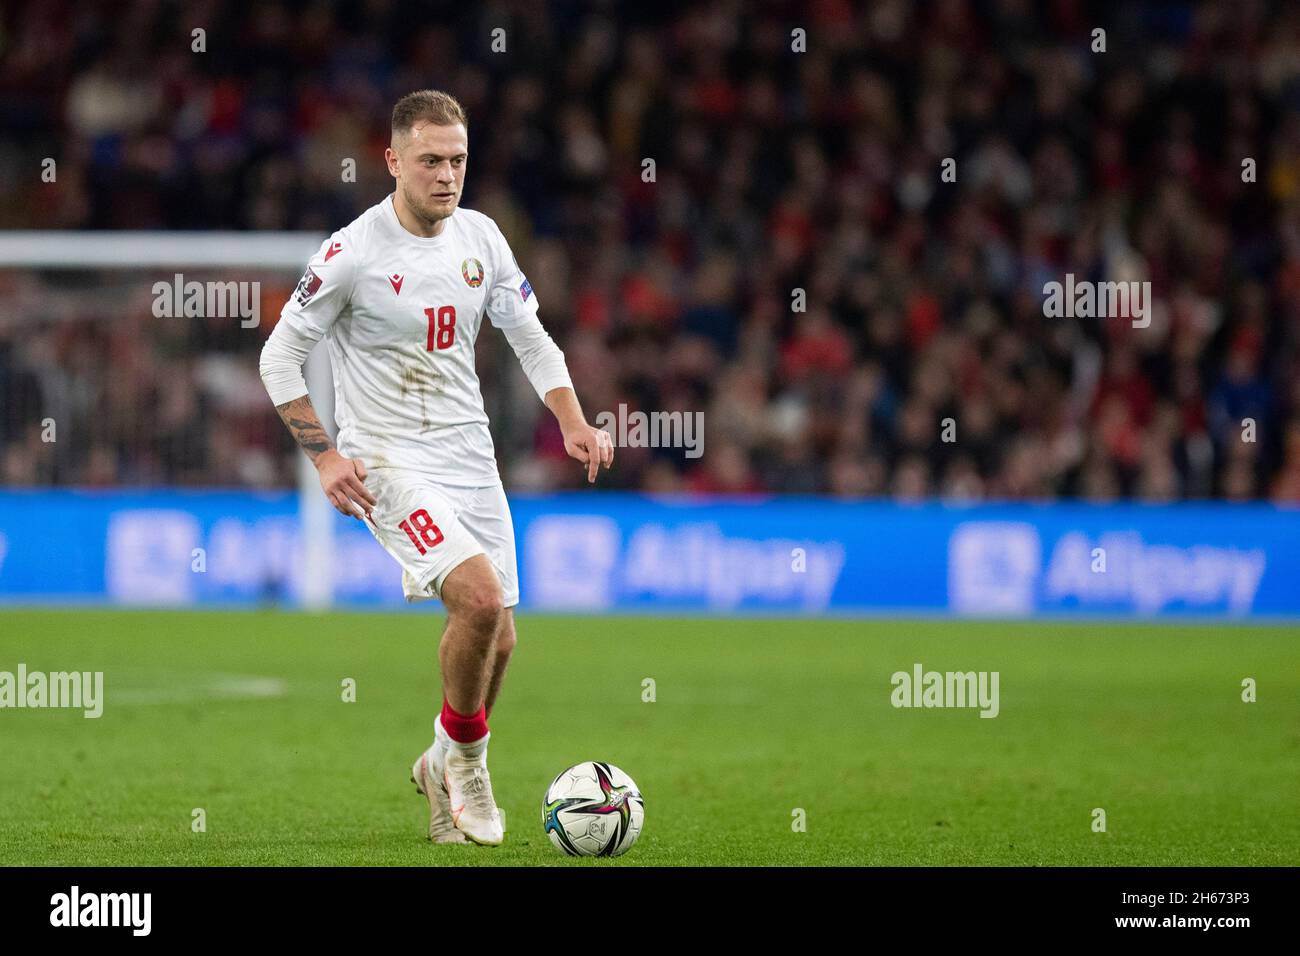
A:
[399,315]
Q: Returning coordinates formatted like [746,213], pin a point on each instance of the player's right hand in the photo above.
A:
[343,481]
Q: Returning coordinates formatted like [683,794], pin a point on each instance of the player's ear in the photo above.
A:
[391,158]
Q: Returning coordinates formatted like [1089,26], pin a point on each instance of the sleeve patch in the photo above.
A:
[308,286]
[525,290]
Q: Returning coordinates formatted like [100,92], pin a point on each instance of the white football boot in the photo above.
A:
[427,775]
[473,808]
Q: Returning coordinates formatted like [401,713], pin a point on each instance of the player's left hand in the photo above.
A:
[591,446]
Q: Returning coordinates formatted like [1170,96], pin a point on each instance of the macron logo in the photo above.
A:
[333,250]
[396,281]
[103,909]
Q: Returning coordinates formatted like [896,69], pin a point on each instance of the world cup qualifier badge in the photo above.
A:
[472,270]
[307,287]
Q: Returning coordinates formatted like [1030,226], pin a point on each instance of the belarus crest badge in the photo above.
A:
[472,271]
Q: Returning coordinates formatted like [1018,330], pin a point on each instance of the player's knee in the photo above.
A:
[481,608]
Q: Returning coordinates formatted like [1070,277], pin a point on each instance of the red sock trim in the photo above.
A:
[462,729]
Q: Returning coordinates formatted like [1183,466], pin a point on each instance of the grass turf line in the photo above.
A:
[753,719]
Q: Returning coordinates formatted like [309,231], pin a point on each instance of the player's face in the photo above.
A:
[429,165]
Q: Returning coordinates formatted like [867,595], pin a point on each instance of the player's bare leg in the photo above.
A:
[505,645]
[467,654]
[429,770]
[472,596]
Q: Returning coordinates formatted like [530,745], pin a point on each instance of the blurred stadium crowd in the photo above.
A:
[775,170]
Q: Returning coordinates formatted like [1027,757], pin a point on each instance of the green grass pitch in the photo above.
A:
[241,714]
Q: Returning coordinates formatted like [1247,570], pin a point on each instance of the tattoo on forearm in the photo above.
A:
[303,423]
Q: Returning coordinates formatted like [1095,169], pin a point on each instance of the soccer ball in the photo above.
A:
[593,809]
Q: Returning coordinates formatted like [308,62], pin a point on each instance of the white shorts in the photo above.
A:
[430,529]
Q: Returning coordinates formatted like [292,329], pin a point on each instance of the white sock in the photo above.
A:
[475,750]
[438,749]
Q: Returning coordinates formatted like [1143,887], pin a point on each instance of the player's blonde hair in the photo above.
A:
[433,106]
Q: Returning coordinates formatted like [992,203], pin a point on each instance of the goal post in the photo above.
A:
[139,260]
